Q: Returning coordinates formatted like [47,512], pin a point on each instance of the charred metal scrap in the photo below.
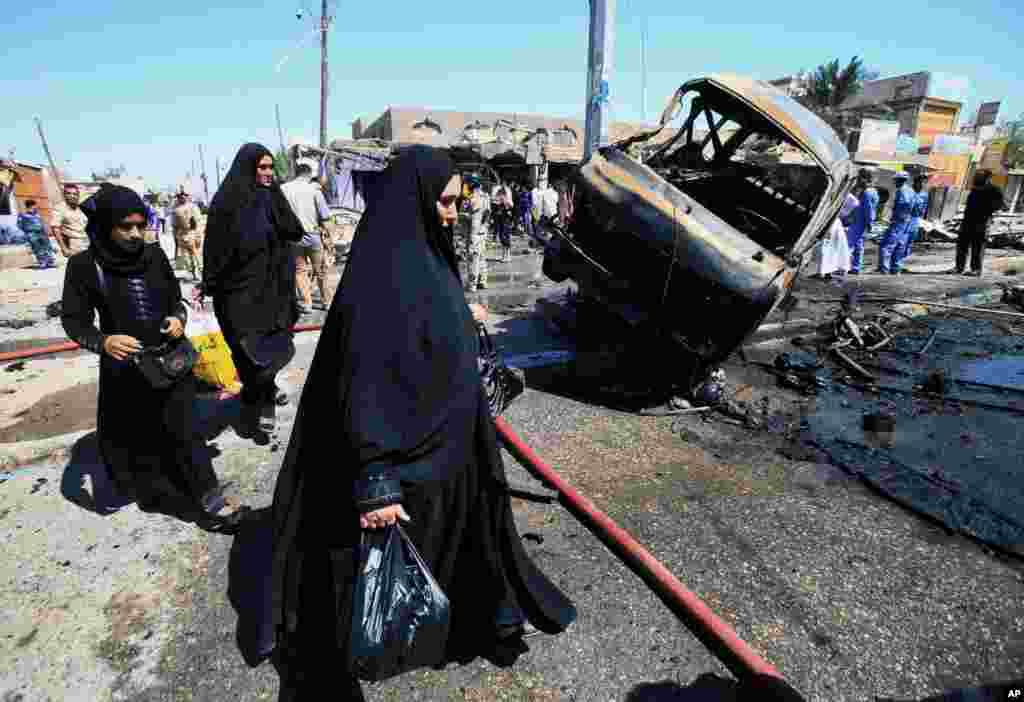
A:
[703,235]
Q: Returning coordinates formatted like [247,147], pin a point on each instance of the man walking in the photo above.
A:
[524,209]
[862,218]
[501,216]
[187,236]
[545,210]
[983,201]
[38,235]
[68,224]
[890,255]
[917,213]
[473,235]
[309,205]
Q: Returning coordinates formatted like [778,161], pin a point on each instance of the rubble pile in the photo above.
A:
[1006,231]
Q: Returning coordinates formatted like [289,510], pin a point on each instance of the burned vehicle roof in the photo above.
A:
[806,128]
[703,233]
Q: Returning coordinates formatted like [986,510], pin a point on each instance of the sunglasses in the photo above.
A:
[448,200]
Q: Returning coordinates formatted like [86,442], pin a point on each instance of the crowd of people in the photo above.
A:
[393,424]
[841,251]
[509,208]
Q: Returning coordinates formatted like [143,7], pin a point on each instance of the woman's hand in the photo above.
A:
[479,312]
[121,346]
[385,516]
[172,327]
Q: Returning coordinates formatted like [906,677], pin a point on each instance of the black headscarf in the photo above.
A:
[414,182]
[105,209]
[238,188]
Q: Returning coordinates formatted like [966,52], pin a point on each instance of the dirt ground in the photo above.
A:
[62,412]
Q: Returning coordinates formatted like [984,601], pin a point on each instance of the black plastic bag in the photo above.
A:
[400,615]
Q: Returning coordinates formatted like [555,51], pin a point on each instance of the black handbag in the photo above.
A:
[163,365]
[167,364]
[501,383]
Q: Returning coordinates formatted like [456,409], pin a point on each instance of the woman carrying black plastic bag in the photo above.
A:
[394,421]
[145,434]
[249,270]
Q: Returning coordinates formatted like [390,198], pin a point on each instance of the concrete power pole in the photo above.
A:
[324,23]
[643,72]
[202,166]
[599,67]
[49,157]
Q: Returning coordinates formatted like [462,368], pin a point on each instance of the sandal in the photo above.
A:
[226,520]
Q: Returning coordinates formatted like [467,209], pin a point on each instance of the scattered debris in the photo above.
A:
[936,382]
[879,422]
[1014,296]
[853,365]
[796,361]
[928,343]
[16,323]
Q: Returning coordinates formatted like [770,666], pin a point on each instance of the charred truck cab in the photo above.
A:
[702,234]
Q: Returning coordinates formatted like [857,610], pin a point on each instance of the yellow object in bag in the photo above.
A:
[214,365]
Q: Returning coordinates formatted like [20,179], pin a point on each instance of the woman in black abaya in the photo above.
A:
[145,435]
[394,422]
[249,270]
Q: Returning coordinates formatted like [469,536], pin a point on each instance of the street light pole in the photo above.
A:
[599,66]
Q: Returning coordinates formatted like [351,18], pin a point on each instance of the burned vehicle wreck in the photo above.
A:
[699,236]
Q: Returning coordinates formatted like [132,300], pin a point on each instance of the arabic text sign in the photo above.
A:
[878,135]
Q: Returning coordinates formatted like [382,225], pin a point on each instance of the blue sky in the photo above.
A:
[125,82]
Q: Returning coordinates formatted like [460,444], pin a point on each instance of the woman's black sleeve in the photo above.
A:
[78,313]
[218,251]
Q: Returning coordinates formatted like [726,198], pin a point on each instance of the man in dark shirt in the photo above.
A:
[982,202]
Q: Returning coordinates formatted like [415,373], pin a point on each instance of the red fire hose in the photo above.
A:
[72,346]
[41,351]
[714,633]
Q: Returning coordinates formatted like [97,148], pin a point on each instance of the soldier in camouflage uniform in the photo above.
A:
[473,234]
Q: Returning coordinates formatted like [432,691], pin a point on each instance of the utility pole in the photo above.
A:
[202,166]
[280,136]
[49,157]
[324,23]
[599,66]
[643,71]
